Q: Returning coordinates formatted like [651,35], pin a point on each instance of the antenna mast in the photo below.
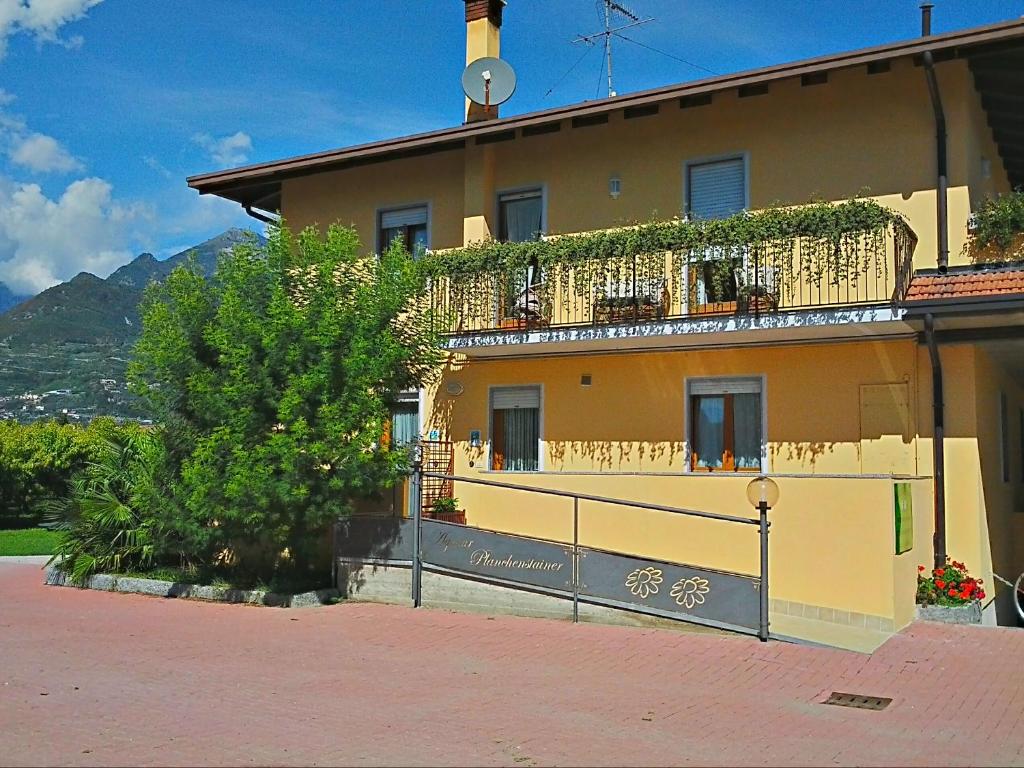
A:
[611,10]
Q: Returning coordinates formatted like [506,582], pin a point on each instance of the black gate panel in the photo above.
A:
[669,589]
[489,554]
[374,538]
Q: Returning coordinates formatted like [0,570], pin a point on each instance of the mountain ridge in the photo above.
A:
[78,335]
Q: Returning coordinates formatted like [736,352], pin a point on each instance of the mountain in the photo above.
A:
[78,335]
[145,267]
[9,299]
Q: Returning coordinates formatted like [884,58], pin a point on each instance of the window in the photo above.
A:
[404,427]
[409,225]
[520,219]
[726,418]
[520,216]
[515,429]
[714,190]
[1004,436]
[405,423]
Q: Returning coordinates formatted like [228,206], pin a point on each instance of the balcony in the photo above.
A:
[812,260]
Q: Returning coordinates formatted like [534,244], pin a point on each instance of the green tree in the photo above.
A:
[274,383]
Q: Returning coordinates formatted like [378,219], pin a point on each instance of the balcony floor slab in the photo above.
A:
[817,326]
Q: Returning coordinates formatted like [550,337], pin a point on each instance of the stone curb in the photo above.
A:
[156,588]
[969,613]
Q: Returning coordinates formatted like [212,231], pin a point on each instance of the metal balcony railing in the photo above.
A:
[855,268]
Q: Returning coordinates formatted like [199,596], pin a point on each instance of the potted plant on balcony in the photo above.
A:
[949,594]
[447,511]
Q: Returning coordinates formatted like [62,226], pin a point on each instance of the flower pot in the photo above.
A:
[449,517]
[969,613]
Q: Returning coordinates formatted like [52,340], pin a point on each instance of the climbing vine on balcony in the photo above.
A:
[817,245]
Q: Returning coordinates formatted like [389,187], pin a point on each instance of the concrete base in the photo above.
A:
[368,582]
[156,588]
[951,614]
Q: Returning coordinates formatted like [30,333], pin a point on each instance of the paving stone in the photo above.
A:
[129,680]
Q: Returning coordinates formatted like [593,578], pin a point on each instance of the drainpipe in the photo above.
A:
[938,443]
[941,155]
[259,216]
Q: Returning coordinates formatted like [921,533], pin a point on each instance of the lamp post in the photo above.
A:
[416,507]
[763,494]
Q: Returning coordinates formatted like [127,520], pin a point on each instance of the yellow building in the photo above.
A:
[661,377]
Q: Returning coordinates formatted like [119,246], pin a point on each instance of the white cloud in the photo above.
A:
[227,150]
[42,19]
[43,154]
[45,241]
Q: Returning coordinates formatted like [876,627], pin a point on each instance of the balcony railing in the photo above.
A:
[716,274]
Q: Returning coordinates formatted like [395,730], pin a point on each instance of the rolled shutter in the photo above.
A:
[716,189]
[516,397]
[725,386]
[403,217]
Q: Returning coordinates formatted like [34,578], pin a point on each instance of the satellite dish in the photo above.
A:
[489,81]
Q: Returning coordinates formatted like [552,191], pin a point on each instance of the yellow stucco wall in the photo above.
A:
[1002,501]
[632,417]
[354,196]
[857,134]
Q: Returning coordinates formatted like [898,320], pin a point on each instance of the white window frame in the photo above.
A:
[381,210]
[490,428]
[762,380]
[541,187]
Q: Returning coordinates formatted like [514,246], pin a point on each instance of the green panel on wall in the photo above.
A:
[903,507]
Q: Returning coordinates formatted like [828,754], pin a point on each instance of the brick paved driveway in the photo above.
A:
[95,678]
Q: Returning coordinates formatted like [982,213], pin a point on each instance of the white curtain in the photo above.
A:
[523,219]
[747,423]
[709,443]
[522,436]
[405,424]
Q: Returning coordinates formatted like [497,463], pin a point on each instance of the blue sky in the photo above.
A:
[106,105]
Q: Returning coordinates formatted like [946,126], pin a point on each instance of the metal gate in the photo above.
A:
[728,600]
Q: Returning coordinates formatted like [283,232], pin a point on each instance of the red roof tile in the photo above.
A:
[966,285]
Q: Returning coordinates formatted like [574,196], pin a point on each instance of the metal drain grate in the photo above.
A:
[857,701]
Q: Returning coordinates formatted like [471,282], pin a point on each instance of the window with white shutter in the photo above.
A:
[409,225]
[716,189]
[726,431]
[515,429]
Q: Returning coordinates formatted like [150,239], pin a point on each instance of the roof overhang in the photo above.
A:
[988,48]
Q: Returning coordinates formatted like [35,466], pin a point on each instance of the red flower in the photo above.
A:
[952,593]
[940,584]
[939,571]
[981,594]
[920,568]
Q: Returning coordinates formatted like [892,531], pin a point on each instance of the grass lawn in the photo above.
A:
[28,541]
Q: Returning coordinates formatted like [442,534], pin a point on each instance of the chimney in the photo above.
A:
[483,38]
[926,19]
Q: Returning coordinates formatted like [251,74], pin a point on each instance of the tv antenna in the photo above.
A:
[614,13]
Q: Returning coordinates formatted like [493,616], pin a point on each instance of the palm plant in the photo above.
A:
[107,517]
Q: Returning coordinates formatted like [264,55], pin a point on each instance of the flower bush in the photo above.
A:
[949,585]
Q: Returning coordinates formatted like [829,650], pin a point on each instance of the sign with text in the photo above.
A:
[497,555]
